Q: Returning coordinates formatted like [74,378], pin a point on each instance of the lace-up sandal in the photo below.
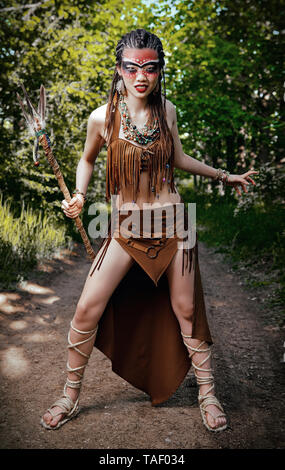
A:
[205,400]
[68,407]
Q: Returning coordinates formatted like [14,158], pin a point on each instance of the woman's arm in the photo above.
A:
[93,144]
[193,166]
[183,161]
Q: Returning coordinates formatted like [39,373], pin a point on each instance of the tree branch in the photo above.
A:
[22,7]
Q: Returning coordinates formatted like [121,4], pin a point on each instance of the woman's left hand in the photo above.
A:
[242,180]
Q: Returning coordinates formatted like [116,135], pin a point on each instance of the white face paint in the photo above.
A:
[131,68]
[140,67]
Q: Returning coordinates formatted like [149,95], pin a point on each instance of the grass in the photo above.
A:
[25,240]
[252,239]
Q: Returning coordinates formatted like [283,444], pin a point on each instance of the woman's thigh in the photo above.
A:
[99,287]
[181,288]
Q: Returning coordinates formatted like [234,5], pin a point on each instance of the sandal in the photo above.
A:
[69,408]
[205,400]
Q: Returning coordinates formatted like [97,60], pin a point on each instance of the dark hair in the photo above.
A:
[140,39]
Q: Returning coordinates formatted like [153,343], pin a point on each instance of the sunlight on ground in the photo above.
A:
[69,262]
[40,321]
[13,363]
[49,300]
[218,303]
[33,288]
[39,338]
[7,307]
[8,296]
[18,325]
[7,299]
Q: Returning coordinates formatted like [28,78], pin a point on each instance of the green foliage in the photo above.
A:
[69,47]
[255,231]
[224,73]
[225,77]
[26,239]
[252,237]
[269,192]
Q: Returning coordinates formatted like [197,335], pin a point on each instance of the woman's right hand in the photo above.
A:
[73,208]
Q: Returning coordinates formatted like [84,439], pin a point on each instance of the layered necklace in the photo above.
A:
[149,132]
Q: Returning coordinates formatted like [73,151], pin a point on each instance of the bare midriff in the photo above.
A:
[165,197]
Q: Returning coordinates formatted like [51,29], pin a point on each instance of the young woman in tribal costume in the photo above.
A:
[139,304]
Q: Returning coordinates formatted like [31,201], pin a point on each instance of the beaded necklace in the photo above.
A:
[149,132]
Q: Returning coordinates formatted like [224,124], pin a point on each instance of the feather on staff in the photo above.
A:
[36,125]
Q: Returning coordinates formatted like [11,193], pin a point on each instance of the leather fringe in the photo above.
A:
[189,252]
[106,241]
[124,163]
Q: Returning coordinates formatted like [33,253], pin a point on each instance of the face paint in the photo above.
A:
[144,60]
[140,70]
[131,69]
[140,56]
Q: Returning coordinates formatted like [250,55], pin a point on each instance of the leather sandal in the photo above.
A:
[205,400]
[68,407]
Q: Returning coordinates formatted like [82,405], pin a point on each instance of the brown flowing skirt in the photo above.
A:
[138,330]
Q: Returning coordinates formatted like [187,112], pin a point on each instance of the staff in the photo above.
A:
[36,125]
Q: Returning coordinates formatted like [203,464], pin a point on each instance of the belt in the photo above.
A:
[157,245]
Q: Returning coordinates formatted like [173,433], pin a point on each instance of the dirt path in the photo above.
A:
[248,367]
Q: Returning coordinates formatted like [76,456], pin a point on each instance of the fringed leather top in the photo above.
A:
[125,162]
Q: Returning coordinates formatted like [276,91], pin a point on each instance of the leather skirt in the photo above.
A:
[138,330]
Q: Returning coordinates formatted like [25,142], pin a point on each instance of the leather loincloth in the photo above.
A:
[138,330]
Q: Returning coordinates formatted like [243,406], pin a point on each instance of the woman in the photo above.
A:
[147,305]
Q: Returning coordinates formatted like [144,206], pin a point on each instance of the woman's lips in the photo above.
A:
[141,88]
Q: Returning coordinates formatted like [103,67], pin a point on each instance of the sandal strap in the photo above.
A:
[73,345]
[73,383]
[202,380]
[65,403]
[83,332]
[76,384]
[205,401]
[75,369]
[198,350]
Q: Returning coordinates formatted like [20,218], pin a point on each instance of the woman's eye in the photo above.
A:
[151,70]
[131,69]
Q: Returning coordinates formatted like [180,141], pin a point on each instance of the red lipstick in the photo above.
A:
[141,88]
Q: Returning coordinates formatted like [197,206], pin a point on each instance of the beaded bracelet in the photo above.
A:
[76,191]
[222,175]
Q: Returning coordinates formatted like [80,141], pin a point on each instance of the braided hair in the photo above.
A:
[140,39]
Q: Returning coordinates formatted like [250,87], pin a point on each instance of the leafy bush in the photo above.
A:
[26,239]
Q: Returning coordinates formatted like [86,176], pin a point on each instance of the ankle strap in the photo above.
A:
[185,336]
[75,370]
[83,332]
[73,345]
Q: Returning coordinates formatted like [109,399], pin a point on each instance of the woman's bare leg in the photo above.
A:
[182,296]
[95,295]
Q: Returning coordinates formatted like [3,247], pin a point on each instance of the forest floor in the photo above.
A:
[248,360]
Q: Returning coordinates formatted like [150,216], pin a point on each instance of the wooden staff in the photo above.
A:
[36,124]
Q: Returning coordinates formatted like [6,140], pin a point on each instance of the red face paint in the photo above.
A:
[140,60]
[140,56]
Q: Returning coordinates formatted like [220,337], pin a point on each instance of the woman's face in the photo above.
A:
[139,70]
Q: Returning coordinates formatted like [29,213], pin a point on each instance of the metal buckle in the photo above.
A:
[149,248]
